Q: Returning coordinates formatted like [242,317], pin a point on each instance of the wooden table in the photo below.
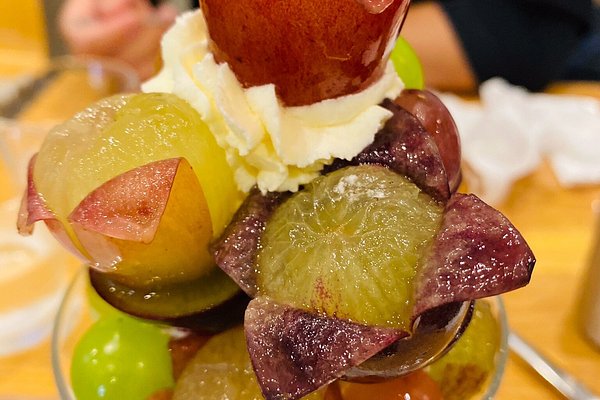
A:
[558,225]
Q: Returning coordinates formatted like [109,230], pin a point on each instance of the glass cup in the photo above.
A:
[75,317]
[40,101]
[67,85]
[33,274]
[35,270]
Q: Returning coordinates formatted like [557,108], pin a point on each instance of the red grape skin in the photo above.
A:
[310,50]
[436,118]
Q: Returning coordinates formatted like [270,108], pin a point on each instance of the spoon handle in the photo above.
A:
[566,384]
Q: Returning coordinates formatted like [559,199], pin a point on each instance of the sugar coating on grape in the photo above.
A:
[349,245]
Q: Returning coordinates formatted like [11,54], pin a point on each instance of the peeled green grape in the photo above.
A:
[351,242]
[463,371]
[121,133]
[120,357]
[222,370]
[138,185]
[407,65]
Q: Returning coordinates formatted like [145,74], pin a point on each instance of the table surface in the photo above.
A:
[559,226]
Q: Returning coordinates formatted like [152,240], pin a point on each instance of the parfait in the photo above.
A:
[277,216]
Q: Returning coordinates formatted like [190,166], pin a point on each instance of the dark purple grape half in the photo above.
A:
[438,121]
[295,352]
[208,304]
[406,147]
[477,253]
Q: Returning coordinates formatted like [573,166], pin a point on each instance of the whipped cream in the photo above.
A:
[269,145]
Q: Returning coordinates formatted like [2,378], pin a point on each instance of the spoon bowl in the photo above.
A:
[434,333]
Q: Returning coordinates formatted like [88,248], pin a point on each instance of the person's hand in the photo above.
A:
[128,30]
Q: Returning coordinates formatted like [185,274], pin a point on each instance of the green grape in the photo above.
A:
[350,242]
[463,371]
[407,65]
[99,308]
[120,357]
[123,132]
[222,369]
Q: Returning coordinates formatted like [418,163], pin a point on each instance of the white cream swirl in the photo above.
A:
[275,147]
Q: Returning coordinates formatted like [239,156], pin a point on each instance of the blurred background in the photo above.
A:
[533,151]
[32,27]
[461,43]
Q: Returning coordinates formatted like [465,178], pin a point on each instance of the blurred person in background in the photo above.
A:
[127,30]
[461,43]
[584,64]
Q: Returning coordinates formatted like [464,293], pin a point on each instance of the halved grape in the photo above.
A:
[235,251]
[407,148]
[463,371]
[138,186]
[210,303]
[148,225]
[295,352]
[222,370]
[351,242]
[436,118]
[121,133]
[120,180]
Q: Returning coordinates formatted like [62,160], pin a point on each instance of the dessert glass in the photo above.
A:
[75,316]
[32,105]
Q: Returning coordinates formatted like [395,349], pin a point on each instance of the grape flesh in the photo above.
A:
[464,370]
[123,132]
[350,242]
[222,370]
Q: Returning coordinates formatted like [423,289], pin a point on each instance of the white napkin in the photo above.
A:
[507,134]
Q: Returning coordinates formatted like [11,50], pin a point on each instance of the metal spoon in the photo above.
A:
[566,384]
[434,333]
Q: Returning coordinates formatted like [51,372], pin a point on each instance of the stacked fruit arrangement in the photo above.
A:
[335,279]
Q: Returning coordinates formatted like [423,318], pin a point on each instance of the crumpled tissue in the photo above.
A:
[510,131]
